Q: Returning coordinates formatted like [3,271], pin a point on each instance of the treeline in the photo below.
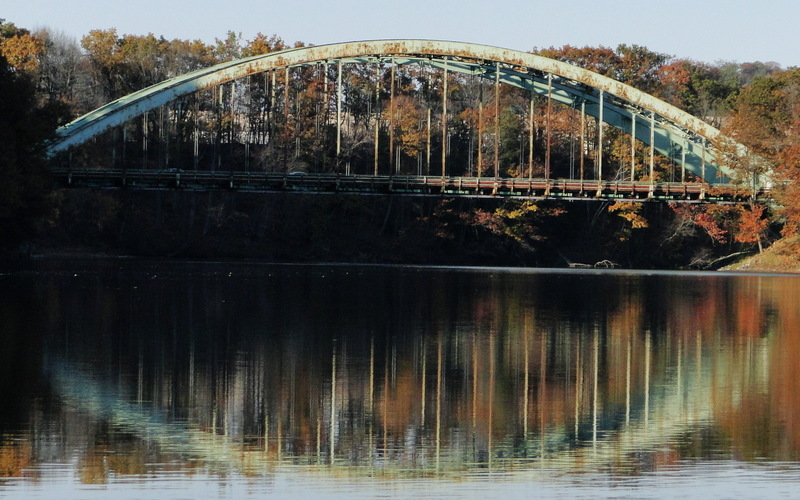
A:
[59,78]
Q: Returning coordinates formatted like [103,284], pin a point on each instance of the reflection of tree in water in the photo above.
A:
[419,371]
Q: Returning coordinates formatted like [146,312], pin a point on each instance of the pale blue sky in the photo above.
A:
[703,30]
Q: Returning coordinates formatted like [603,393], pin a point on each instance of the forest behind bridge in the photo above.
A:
[47,79]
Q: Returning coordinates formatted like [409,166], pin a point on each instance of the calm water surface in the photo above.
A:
[141,379]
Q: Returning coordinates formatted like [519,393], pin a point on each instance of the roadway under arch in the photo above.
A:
[669,130]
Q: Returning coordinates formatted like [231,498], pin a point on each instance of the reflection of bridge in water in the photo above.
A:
[410,117]
[653,418]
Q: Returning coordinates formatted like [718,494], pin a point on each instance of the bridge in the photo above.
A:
[406,117]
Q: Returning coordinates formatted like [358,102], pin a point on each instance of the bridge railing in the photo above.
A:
[409,185]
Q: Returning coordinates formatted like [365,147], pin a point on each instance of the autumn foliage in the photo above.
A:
[285,121]
[766,119]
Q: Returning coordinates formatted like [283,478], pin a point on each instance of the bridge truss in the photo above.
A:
[330,118]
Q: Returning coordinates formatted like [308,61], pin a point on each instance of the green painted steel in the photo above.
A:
[675,132]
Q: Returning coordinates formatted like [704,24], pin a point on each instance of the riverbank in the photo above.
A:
[375,229]
[783,256]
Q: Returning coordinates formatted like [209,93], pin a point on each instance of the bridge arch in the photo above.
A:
[664,127]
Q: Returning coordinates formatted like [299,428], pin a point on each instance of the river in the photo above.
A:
[164,379]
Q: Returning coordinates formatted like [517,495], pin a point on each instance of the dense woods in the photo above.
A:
[54,78]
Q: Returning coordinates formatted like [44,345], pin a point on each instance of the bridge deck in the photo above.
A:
[477,187]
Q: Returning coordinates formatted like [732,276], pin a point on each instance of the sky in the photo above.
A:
[709,31]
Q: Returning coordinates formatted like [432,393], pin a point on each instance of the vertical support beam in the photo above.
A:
[548,121]
[480,136]
[220,131]
[391,120]
[325,89]
[249,135]
[497,120]
[272,91]
[285,119]
[114,134]
[428,146]
[600,137]
[124,146]
[260,134]
[633,146]
[163,158]
[531,132]
[377,113]
[683,163]
[703,160]
[169,129]
[652,150]
[196,150]
[262,131]
[285,95]
[318,107]
[338,113]
[583,137]
[144,140]
[232,112]
[444,121]
[377,136]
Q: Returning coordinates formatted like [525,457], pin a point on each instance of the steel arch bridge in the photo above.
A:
[664,128]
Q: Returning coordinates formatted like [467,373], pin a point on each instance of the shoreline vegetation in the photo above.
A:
[753,264]
[782,257]
[384,230]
